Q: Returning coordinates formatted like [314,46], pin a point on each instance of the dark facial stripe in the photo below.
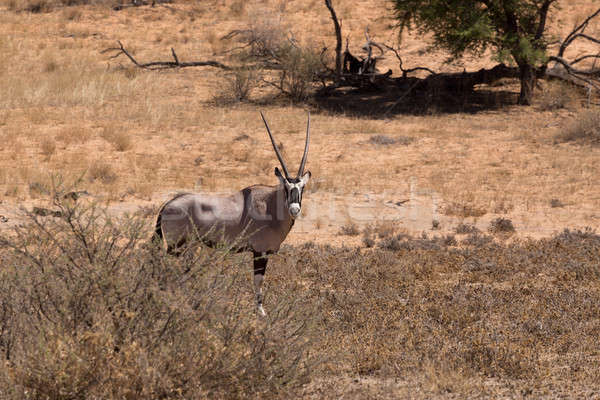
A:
[294,196]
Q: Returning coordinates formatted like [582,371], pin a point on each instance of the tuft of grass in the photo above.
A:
[48,147]
[102,171]
[350,229]
[583,129]
[120,140]
[384,140]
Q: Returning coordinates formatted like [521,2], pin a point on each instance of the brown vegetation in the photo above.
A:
[91,309]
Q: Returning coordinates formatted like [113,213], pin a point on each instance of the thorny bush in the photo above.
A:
[90,308]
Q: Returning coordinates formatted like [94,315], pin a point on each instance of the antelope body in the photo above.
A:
[257,218]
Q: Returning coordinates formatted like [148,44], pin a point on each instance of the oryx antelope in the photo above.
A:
[258,218]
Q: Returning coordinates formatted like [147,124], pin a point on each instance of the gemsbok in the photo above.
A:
[257,218]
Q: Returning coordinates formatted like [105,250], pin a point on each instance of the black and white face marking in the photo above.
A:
[293,191]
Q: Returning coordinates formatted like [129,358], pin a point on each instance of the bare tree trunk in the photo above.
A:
[528,79]
[338,45]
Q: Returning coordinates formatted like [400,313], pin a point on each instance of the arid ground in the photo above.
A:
[131,138]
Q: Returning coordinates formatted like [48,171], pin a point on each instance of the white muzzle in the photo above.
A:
[294,209]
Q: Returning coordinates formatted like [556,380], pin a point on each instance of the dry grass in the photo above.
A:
[102,171]
[416,316]
[409,316]
[583,129]
[120,140]
[557,95]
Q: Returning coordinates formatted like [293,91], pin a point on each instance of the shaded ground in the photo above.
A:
[388,101]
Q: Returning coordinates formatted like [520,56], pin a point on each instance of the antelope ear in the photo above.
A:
[278,174]
[305,177]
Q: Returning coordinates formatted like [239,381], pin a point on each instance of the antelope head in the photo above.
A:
[293,186]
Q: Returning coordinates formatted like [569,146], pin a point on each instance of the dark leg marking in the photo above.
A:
[260,267]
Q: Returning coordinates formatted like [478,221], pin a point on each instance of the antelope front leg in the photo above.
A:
[260,266]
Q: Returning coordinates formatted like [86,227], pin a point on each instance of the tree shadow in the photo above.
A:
[385,102]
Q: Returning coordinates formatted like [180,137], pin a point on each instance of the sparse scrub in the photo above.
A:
[368,241]
[73,135]
[44,6]
[584,128]
[237,86]
[555,96]
[300,67]
[350,229]
[463,229]
[120,140]
[501,225]
[295,66]
[463,210]
[384,140]
[122,319]
[102,171]
[477,239]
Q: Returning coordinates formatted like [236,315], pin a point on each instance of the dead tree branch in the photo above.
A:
[565,69]
[158,65]
[405,72]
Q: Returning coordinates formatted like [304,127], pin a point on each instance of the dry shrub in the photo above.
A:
[73,135]
[463,229]
[501,225]
[266,33]
[300,67]
[463,210]
[391,316]
[296,65]
[102,171]
[556,95]
[584,128]
[351,229]
[91,309]
[385,140]
[237,86]
[120,140]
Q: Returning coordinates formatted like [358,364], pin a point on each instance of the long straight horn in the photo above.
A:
[303,162]
[285,170]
